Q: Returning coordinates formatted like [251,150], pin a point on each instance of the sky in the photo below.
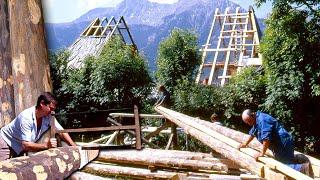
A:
[59,11]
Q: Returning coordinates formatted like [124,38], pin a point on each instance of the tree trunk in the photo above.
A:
[30,65]
[6,79]
[57,163]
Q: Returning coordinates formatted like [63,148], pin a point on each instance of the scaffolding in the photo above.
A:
[236,46]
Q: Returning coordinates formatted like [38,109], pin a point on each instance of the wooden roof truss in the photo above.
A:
[235,46]
[95,36]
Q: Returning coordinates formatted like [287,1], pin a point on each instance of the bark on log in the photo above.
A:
[147,158]
[223,148]
[57,163]
[6,79]
[128,172]
[30,65]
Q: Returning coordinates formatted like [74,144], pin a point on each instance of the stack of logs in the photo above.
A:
[159,164]
[225,141]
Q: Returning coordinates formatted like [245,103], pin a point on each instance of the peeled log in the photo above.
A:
[57,163]
[6,80]
[227,150]
[128,172]
[30,64]
[233,134]
[149,157]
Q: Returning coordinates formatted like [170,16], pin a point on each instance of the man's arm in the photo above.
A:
[34,147]
[265,146]
[66,137]
[245,144]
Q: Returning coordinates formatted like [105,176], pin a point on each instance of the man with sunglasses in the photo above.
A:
[20,135]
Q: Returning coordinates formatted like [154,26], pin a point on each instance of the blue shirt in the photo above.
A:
[269,128]
[24,128]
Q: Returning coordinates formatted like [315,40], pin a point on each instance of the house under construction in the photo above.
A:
[235,46]
[95,36]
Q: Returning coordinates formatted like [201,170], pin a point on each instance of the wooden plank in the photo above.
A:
[112,128]
[204,54]
[218,47]
[7,112]
[225,69]
[56,163]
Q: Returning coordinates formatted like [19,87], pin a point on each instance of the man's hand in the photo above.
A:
[52,143]
[242,146]
[256,157]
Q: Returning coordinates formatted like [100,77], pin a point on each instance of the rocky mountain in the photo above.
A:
[149,22]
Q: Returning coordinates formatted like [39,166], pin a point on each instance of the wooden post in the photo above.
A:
[7,112]
[138,130]
[174,136]
[30,65]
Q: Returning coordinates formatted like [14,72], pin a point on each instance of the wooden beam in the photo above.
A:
[111,128]
[118,115]
[137,127]
[57,163]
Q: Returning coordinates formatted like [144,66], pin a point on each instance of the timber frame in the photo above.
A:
[95,36]
[236,46]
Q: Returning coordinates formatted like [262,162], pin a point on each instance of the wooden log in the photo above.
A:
[225,149]
[57,163]
[161,153]
[82,175]
[103,169]
[186,121]
[233,134]
[254,144]
[159,159]
[30,64]
[7,112]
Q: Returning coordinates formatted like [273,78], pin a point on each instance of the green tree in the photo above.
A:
[177,58]
[291,54]
[117,78]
